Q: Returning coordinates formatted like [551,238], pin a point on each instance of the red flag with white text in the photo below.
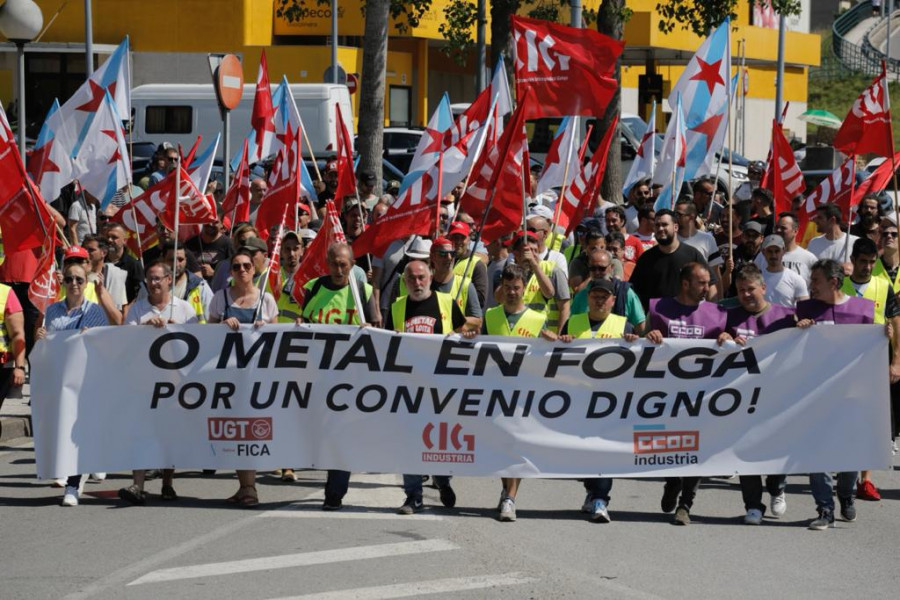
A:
[346,180]
[262,120]
[867,127]
[315,262]
[570,70]
[44,288]
[784,178]
[236,204]
[834,189]
[284,186]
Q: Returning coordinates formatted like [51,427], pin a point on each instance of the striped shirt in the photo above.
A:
[60,318]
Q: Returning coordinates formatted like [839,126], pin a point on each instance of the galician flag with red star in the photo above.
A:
[49,164]
[68,126]
[705,87]
[102,165]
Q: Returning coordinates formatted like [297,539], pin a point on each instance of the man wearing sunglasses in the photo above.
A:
[461,289]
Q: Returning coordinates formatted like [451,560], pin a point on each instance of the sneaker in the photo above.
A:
[133,494]
[778,505]
[508,509]
[753,517]
[502,498]
[96,477]
[866,490]
[332,503]
[70,498]
[825,520]
[682,516]
[599,512]
[588,506]
[848,511]
[448,496]
[411,506]
[670,497]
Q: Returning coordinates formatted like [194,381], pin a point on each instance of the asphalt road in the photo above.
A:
[201,548]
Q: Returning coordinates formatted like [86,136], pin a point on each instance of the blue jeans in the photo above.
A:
[412,484]
[752,489]
[598,488]
[820,484]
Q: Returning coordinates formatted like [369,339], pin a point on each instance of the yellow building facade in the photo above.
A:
[170,40]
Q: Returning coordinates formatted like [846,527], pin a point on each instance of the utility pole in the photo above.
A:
[779,76]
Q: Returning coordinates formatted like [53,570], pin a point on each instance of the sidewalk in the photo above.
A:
[15,416]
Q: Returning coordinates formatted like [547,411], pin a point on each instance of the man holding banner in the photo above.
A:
[329,299]
[424,311]
[686,316]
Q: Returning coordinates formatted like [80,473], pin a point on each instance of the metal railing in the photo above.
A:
[855,57]
[868,48]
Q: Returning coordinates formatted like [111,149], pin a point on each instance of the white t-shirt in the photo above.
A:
[86,220]
[799,260]
[179,312]
[706,244]
[785,287]
[833,249]
[557,257]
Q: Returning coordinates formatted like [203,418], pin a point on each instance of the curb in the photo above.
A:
[15,427]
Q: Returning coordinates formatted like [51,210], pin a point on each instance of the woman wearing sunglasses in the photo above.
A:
[243,303]
[74,312]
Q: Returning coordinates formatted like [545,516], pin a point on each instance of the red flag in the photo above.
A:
[187,160]
[867,127]
[284,186]
[274,274]
[139,215]
[263,117]
[579,197]
[834,189]
[346,183]
[877,181]
[24,218]
[569,69]
[236,204]
[497,185]
[315,262]
[784,178]
[44,288]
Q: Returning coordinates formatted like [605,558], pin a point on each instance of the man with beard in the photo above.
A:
[656,273]
[187,286]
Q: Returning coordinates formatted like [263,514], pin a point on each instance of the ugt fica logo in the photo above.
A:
[655,445]
[449,445]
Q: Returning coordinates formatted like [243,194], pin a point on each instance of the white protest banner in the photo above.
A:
[202,396]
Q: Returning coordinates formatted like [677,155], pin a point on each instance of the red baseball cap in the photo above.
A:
[459,228]
[441,241]
[76,252]
[521,235]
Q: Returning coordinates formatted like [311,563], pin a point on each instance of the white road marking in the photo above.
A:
[302,559]
[419,588]
[315,512]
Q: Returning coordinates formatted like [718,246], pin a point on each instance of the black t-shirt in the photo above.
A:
[656,273]
[210,253]
[135,277]
[425,316]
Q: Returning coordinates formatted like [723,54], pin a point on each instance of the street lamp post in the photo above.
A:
[20,22]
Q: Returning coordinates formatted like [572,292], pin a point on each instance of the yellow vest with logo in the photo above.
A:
[454,290]
[333,306]
[534,300]
[5,290]
[529,324]
[195,299]
[288,309]
[876,291]
[880,271]
[445,305]
[612,327]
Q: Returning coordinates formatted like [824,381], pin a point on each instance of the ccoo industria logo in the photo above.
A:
[448,444]
[655,445]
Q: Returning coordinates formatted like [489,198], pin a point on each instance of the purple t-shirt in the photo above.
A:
[677,320]
[853,311]
[749,325]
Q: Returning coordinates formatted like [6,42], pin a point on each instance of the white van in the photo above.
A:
[178,113]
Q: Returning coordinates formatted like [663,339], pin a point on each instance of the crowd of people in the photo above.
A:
[708,268]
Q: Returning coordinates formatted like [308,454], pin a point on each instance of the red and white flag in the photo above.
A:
[284,186]
[44,288]
[497,178]
[834,189]
[578,200]
[236,204]
[867,127]
[315,261]
[139,215]
[877,181]
[273,276]
[346,180]
[262,120]
[783,177]
[570,70]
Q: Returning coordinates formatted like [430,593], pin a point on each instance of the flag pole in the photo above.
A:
[440,187]
[481,225]
[264,279]
[478,152]
[177,226]
[887,96]
[565,183]
[850,208]
[354,288]
[137,230]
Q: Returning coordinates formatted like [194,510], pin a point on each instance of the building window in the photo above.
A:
[168,119]
[400,106]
